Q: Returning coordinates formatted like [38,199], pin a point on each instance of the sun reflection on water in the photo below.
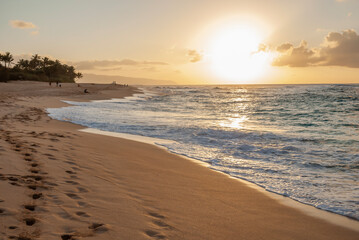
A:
[236,123]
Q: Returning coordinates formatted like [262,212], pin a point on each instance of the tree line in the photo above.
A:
[36,69]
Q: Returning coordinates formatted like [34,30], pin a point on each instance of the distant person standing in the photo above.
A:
[57,83]
[50,83]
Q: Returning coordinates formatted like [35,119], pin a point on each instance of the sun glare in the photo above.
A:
[234,54]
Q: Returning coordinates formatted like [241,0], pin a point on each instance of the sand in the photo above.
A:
[60,183]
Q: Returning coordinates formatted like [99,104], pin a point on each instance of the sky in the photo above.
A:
[191,41]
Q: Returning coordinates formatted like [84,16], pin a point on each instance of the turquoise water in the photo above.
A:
[301,141]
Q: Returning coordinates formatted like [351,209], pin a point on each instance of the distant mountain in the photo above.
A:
[94,78]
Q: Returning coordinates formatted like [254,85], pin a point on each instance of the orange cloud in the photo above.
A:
[194,56]
[21,24]
[337,49]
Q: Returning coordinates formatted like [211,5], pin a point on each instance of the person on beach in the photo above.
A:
[57,83]
[50,83]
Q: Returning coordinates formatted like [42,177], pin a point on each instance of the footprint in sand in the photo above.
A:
[30,221]
[154,234]
[28,159]
[72,182]
[30,207]
[31,178]
[13,179]
[50,156]
[70,172]
[82,190]
[27,154]
[156,215]
[162,224]
[34,170]
[36,196]
[32,187]
[82,214]
[34,164]
[66,237]
[73,196]
[34,177]
[82,204]
[158,220]
[71,163]
[98,227]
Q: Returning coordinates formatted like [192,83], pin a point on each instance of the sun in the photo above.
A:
[234,53]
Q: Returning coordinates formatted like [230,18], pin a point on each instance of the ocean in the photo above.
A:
[300,141]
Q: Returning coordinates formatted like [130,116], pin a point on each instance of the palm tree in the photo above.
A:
[7,59]
[23,64]
[35,62]
[79,75]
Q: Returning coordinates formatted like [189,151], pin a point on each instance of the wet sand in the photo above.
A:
[59,183]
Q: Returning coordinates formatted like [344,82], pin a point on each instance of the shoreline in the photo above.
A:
[122,188]
[331,217]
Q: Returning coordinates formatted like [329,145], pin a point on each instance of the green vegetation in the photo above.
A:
[36,69]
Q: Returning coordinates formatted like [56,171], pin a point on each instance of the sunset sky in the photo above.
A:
[191,41]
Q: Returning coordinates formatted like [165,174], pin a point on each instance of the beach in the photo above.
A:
[61,183]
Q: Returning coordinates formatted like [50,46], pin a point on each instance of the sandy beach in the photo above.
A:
[59,183]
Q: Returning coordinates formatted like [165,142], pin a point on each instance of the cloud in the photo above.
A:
[21,24]
[292,56]
[194,56]
[341,49]
[284,47]
[113,64]
[337,49]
